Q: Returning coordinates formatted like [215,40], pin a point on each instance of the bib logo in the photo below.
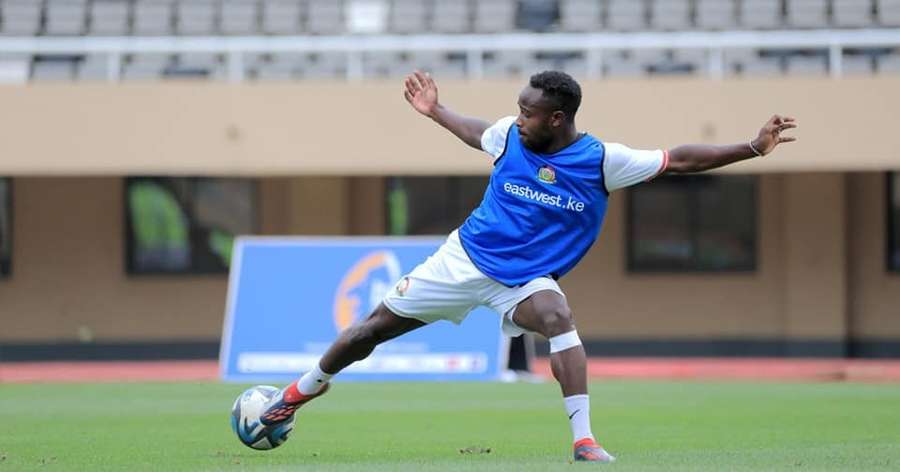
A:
[402,286]
[547,175]
[363,287]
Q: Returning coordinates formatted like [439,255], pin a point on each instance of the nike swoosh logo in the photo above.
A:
[574,413]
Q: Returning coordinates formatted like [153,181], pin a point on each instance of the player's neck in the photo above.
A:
[566,138]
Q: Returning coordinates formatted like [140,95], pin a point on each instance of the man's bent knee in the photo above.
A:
[558,326]
[556,321]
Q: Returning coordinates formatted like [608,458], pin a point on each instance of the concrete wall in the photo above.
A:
[327,128]
[69,272]
[820,274]
[69,281]
[874,308]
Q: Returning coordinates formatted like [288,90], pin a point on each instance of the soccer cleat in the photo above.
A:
[589,451]
[285,404]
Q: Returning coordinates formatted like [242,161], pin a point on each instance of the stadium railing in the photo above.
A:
[594,46]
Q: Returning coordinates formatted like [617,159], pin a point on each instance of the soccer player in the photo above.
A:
[541,212]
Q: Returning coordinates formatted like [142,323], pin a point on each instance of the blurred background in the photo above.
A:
[138,138]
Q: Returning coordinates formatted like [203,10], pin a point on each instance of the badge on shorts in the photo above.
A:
[546,174]
[403,286]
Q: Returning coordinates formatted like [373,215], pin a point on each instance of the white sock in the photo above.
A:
[578,408]
[312,381]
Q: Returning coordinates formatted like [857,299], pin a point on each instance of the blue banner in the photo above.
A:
[289,298]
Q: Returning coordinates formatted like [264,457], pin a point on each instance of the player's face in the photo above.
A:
[537,121]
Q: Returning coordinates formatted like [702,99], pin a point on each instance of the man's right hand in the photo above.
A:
[421,92]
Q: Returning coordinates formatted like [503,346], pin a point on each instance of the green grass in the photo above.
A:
[387,427]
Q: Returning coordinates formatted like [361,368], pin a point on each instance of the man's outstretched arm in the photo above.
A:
[422,93]
[700,157]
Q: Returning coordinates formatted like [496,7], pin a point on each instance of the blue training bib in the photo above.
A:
[540,213]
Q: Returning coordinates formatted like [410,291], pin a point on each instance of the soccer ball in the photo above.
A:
[245,420]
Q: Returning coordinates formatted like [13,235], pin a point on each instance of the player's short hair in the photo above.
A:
[560,88]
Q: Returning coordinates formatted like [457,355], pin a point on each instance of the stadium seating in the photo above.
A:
[626,15]
[192,18]
[93,67]
[889,63]
[494,16]
[752,62]
[716,15]
[366,16]
[21,17]
[580,15]
[281,17]
[239,17]
[146,66]
[760,14]
[856,63]
[806,13]
[807,63]
[109,18]
[852,13]
[670,15]
[537,15]
[153,18]
[450,17]
[197,17]
[14,68]
[53,69]
[65,17]
[289,17]
[889,12]
[324,17]
[408,16]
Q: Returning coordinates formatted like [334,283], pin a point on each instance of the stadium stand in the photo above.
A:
[21,17]
[806,13]
[889,12]
[65,17]
[408,16]
[325,17]
[280,17]
[153,18]
[286,19]
[715,15]
[494,16]
[670,15]
[760,14]
[537,15]
[109,18]
[450,17]
[239,17]
[851,13]
[291,17]
[626,15]
[197,17]
[580,15]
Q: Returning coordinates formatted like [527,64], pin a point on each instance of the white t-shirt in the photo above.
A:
[622,166]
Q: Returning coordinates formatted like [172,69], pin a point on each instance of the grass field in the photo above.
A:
[387,427]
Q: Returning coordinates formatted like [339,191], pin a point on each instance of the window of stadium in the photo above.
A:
[5,226]
[186,224]
[893,206]
[430,205]
[695,223]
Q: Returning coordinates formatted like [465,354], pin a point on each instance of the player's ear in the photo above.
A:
[557,118]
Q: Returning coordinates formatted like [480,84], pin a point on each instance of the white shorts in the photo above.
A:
[447,286]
